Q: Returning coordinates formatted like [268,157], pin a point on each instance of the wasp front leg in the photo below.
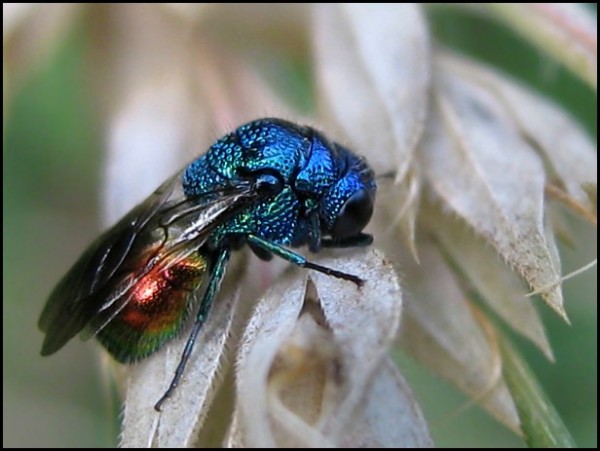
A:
[300,260]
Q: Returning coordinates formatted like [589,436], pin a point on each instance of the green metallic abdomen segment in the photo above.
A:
[159,303]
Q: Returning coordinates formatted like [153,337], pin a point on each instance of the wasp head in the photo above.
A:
[347,207]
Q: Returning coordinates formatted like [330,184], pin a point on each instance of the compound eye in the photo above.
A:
[353,216]
[267,184]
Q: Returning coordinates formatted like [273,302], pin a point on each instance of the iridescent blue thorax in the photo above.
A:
[312,178]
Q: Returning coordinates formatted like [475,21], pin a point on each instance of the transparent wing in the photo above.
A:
[159,232]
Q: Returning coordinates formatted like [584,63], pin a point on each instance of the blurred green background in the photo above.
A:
[52,159]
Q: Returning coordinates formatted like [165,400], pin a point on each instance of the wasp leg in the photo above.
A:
[362,239]
[300,260]
[314,234]
[216,277]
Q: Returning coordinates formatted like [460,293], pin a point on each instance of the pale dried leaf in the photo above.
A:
[184,412]
[566,31]
[373,70]
[135,45]
[271,322]
[232,91]
[440,331]
[402,423]
[297,387]
[374,310]
[570,152]
[555,256]
[302,377]
[406,218]
[496,283]
[149,135]
[156,120]
[396,211]
[167,101]
[476,162]
[171,114]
